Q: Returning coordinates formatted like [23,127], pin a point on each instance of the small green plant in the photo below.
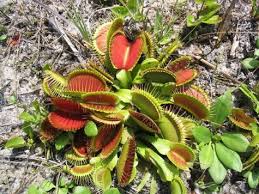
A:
[3,33]
[207,14]
[78,21]
[132,8]
[32,118]
[252,62]
[43,188]
[64,186]
[218,152]
[252,178]
[223,151]
[16,142]
[3,37]
[162,30]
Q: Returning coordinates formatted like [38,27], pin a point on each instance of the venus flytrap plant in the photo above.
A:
[121,109]
[101,117]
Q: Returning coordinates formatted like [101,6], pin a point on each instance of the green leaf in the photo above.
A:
[26,127]
[250,63]
[256,53]
[163,146]
[91,129]
[191,21]
[253,179]
[63,181]
[250,94]
[158,23]
[149,63]
[133,6]
[177,186]
[46,67]
[206,15]
[81,190]
[153,186]
[61,141]
[61,191]
[12,99]
[124,78]
[33,189]
[228,157]
[217,170]
[120,11]
[47,185]
[166,170]
[144,181]
[221,108]
[15,142]
[235,141]
[102,178]
[213,20]
[124,95]
[167,37]
[201,134]
[255,140]
[3,37]
[206,156]
[25,116]
[112,191]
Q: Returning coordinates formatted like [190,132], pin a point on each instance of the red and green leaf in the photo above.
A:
[194,100]
[124,54]
[105,135]
[74,159]
[185,76]
[67,105]
[100,101]
[181,156]
[171,127]
[47,131]
[81,173]
[146,103]
[179,63]
[110,119]
[126,162]
[85,81]
[241,119]
[144,122]
[82,145]
[66,121]
[100,38]
[109,148]
[158,75]
[197,93]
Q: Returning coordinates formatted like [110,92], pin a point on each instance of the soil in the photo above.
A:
[41,42]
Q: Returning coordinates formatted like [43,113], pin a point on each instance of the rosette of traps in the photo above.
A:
[129,105]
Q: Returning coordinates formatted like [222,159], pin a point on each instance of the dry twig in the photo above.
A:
[211,66]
